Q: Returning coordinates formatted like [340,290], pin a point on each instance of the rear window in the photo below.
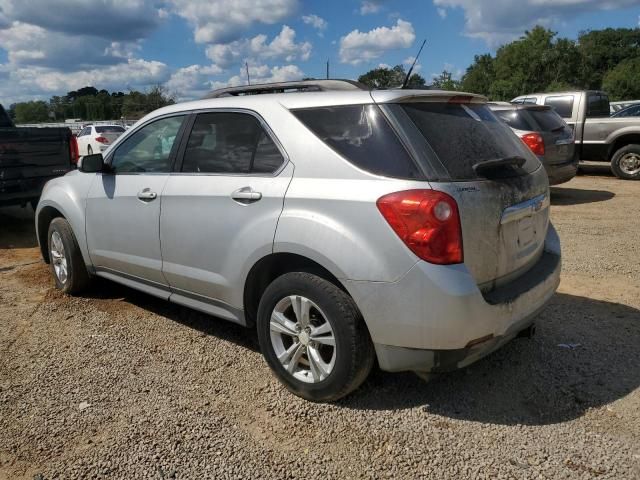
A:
[462,135]
[548,120]
[515,119]
[105,129]
[362,135]
[562,104]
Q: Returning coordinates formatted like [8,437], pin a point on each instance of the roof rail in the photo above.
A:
[288,87]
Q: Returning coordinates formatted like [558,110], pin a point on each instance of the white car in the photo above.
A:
[96,138]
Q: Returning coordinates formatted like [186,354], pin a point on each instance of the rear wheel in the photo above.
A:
[313,337]
[626,162]
[65,259]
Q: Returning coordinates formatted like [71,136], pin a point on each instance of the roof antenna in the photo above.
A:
[246,64]
[406,79]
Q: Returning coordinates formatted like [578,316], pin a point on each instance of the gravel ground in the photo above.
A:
[118,384]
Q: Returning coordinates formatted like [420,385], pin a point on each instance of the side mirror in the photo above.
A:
[92,163]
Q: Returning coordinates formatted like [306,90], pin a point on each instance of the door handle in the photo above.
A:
[246,195]
[147,195]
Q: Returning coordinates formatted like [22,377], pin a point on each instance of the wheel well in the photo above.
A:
[623,141]
[267,269]
[47,214]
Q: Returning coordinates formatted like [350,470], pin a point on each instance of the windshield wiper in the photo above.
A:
[487,165]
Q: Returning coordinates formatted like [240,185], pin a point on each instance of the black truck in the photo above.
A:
[29,157]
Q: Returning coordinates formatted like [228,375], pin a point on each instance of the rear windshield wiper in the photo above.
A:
[487,165]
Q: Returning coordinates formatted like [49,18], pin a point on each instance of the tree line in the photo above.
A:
[539,61]
[89,103]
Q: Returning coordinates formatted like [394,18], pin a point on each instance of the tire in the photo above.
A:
[625,163]
[89,150]
[353,354]
[77,277]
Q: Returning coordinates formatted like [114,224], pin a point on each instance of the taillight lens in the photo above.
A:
[535,142]
[102,140]
[427,221]
[74,153]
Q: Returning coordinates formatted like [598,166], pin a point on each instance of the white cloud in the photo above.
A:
[263,74]
[500,21]
[109,19]
[407,62]
[193,81]
[283,46]
[358,47]
[442,12]
[315,21]
[27,83]
[370,6]
[222,21]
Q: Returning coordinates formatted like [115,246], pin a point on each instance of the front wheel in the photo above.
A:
[625,163]
[313,337]
[65,259]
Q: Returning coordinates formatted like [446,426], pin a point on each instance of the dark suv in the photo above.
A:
[546,134]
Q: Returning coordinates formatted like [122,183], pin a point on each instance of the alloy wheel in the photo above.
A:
[58,257]
[303,339]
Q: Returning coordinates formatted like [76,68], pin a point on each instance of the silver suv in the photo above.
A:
[346,225]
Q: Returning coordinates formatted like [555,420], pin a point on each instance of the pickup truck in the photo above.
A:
[29,157]
[598,137]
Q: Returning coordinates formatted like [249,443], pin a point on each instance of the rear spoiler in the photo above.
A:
[436,96]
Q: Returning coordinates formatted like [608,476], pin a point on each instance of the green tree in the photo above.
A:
[383,77]
[480,75]
[32,112]
[444,81]
[623,82]
[602,51]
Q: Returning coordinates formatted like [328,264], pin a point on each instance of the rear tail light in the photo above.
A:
[74,153]
[102,140]
[427,221]
[535,142]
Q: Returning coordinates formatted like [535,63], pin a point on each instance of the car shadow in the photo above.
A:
[585,355]
[577,196]
[105,290]
[17,228]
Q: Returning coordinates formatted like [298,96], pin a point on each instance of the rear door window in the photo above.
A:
[597,105]
[362,135]
[232,143]
[562,104]
[462,135]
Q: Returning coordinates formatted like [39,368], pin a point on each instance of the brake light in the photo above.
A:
[74,153]
[535,142]
[102,140]
[427,221]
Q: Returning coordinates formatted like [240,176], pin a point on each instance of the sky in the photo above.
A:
[50,47]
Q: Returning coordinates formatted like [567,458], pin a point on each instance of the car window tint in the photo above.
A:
[462,135]
[633,111]
[228,142]
[109,129]
[362,135]
[597,105]
[515,119]
[149,148]
[530,100]
[562,104]
[548,120]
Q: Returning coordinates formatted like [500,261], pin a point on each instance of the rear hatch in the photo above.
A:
[504,208]
[557,135]
[110,133]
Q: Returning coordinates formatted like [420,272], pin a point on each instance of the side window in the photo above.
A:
[230,143]
[597,105]
[562,104]
[148,150]
[83,132]
[531,100]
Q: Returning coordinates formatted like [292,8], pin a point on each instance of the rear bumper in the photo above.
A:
[20,192]
[561,173]
[436,319]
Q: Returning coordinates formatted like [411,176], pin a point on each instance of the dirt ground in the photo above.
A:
[117,384]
